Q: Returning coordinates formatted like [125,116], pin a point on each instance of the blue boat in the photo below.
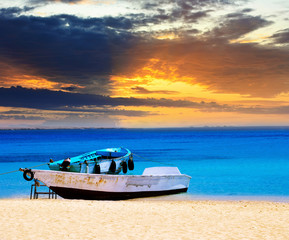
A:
[103,161]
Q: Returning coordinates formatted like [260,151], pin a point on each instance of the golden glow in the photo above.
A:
[157,79]
[170,36]
[29,81]
[161,80]
[256,39]
[176,117]
[154,76]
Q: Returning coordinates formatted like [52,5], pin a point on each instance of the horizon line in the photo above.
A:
[148,128]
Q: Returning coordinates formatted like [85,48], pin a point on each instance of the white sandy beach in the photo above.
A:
[77,219]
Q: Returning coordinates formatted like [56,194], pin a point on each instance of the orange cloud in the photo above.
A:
[170,36]
[36,82]
[216,65]
[155,76]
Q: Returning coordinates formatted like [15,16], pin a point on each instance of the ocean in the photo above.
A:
[224,163]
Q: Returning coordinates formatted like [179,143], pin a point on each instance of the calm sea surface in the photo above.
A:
[224,163]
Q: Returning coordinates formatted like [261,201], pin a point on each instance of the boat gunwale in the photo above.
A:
[82,157]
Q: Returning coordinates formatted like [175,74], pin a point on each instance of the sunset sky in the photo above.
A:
[144,63]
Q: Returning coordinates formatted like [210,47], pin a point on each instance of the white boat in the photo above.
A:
[154,181]
[108,160]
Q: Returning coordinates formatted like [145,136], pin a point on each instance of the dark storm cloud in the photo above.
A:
[63,48]
[187,4]
[13,11]
[237,25]
[240,14]
[281,37]
[195,16]
[247,10]
[118,23]
[75,104]
[50,47]
[58,100]
[69,49]
[188,16]
[34,114]
[9,12]
[189,11]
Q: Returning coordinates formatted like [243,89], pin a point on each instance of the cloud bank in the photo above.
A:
[87,51]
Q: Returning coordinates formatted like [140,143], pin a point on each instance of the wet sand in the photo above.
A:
[78,219]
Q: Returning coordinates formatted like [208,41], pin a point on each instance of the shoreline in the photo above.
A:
[177,197]
[81,219]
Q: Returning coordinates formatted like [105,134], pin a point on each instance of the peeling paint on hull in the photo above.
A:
[70,193]
[112,187]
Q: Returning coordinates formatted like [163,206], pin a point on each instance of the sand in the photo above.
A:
[77,219]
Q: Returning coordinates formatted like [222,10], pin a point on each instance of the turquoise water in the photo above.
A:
[225,163]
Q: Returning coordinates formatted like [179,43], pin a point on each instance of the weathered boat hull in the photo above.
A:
[111,187]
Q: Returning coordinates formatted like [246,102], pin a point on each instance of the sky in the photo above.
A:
[143,64]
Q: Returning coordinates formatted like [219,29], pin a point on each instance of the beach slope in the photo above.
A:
[77,219]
